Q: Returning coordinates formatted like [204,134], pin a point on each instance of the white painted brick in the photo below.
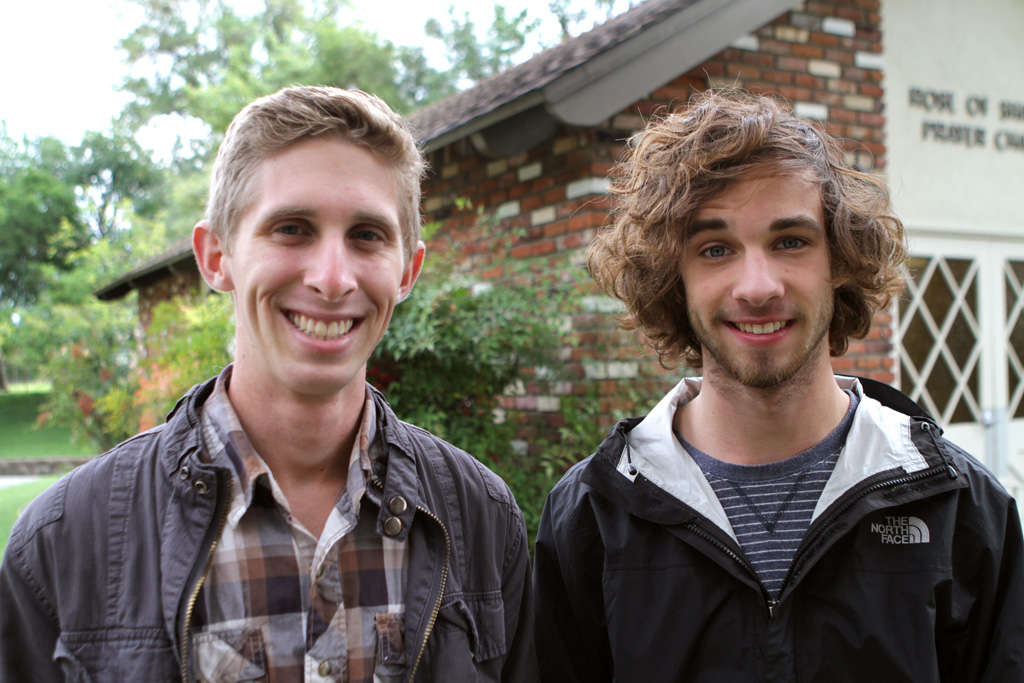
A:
[530,171]
[601,304]
[508,210]
[517,388]
[519,446]
[595,370]
[811,110]
[562,387]
[859,103]
[869,60]
[431,204]
[499,416]
[542,372]
[497,168]
[541,216]
[623,369]
[747,42]
[548,404]
[839,27]
[820,67]
[791,34]
[585,186]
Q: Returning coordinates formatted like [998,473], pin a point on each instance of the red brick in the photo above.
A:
[841,56]
[792,64]
[808,51]
[824,39]
[783,77]
[809,81]
[554,195]
[871,90]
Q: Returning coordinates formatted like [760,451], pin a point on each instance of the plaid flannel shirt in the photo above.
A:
[279,602]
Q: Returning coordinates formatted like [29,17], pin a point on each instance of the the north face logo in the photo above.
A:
[901,530]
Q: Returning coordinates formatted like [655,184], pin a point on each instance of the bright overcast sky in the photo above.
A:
[60,66]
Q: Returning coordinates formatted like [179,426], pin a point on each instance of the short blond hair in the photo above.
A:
[292,114]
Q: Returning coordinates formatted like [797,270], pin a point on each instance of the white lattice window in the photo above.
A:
[941,337]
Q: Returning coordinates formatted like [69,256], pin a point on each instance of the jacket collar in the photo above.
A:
[396,468]
[879,441]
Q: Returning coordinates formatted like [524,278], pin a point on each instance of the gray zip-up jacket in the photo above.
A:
[102,570]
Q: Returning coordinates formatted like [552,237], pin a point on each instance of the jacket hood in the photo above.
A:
[880,437]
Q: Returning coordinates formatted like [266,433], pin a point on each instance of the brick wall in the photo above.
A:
[178,285]
[544,206]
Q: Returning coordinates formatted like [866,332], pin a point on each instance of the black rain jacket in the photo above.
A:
[912,568]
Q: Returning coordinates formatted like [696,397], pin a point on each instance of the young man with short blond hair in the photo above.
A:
[283,525]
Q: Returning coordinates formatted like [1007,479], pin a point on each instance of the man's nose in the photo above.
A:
[330,271]
[759,280]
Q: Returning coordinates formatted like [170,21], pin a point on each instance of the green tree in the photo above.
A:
[40,223]
[115,175]
[204,59]
[474,58]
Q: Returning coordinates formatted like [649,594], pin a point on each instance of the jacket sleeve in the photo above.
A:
[572,639]
[996,650]
[28,620]
[517,593]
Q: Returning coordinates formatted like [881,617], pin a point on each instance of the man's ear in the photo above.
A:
[212,257]
[412,271]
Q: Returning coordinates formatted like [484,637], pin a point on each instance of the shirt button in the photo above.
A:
[324,669]
[398,505]
[202,488]
[185,473]
[392,526]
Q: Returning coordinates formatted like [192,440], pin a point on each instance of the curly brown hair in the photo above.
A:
[681,161]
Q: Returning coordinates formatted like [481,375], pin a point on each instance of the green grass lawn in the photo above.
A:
[13,500]
[19,434]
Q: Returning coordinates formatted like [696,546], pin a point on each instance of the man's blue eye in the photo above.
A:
[715,252]
[791,243]
[290,229]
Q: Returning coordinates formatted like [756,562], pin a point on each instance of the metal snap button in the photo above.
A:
[324,669]
[185,473]
[398,505]
[392,526]
[201,487]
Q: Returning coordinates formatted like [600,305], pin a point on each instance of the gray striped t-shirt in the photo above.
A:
[770,506]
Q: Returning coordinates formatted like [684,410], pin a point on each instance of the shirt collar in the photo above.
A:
[226,445]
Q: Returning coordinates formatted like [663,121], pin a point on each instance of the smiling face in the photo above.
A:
[315,266]
[757,278]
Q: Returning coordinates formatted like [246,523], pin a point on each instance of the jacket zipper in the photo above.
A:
[797,567]
[799,561]
[700,533]
[444,582]
[190,607]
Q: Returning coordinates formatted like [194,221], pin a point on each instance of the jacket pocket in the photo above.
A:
[470,636]
[117,655]
[390,647]
[224,655]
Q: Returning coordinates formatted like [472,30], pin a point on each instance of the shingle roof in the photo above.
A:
[545,67]
[177,257]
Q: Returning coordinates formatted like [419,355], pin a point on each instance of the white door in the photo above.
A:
[960,345]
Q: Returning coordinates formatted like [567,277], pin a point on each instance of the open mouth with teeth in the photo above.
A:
[318,328]
[766,328]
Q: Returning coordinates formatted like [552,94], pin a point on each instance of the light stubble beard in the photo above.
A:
[762,370]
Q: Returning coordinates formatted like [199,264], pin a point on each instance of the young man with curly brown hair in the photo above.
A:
[769,521]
